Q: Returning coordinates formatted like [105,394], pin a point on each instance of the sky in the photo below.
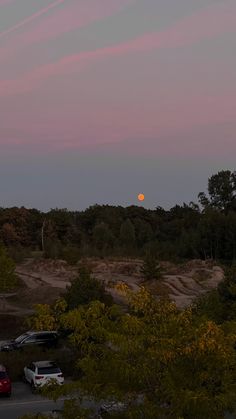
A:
[101,100]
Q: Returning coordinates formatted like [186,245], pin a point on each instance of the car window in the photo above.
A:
[47,336]
[49,370]
[39,337]
[21,338]
[30,339]
[3,375]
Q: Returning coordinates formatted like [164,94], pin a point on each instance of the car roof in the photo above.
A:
[2,368]
[44,364]
[33,332]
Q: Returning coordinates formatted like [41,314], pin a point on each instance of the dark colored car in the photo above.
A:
[46,339]
[5,382]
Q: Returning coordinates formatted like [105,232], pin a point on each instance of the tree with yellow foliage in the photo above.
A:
[164,363]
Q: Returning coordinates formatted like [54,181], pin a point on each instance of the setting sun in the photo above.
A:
[141,197]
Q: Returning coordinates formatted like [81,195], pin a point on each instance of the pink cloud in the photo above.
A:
[207,24]
[31,18]
[69,18]
[88,124]
[73,16]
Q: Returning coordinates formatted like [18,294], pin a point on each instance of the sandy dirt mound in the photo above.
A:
[181,283]
[196,279]
[45,280]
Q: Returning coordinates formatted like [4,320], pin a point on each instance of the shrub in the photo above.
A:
[151,269]
[85,288]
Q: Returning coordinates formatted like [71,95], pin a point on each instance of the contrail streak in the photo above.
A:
[30,18]
[4,2]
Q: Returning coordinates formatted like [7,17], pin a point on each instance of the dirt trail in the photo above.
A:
[186,288]
[182,284]
[45,280]
[34,281]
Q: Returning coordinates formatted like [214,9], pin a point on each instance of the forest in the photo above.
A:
[205,229]
[157,360]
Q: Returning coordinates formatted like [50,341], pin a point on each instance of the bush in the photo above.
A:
[85,289]
[53,249]
[71,255]
[18,253]
[151,269]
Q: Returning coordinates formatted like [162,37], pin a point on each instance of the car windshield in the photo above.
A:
[49,370]
[3,375]
[20,338]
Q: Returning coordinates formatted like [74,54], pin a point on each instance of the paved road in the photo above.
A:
[23,401]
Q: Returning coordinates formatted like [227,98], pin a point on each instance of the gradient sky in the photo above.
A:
[103,99]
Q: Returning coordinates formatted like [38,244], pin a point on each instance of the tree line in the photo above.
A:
[206,229]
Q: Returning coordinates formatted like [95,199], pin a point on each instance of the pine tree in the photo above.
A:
[151,268]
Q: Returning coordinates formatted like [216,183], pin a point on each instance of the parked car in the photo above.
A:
[37,374]
[44,338]
[5,382]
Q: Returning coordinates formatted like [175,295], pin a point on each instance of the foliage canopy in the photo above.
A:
[164,363]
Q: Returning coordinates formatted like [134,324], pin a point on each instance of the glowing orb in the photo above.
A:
[141,197]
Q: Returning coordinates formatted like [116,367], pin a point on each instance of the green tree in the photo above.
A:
[53,249]
[103,237]
[71,254]
[9,235]
[127,234]
[151,268]
[164,363]
[85,288]
[47,317]
[8,278]
[221,190]
[219,305]
[143,231]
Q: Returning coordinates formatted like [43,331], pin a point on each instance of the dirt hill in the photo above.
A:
[45,280]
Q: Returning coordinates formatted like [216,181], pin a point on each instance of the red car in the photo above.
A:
[5,382]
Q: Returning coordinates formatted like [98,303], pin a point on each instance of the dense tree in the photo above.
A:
[162,362]
[143,231]
[102,237]
[9,235]
[151,268]
[71,254]
[102,230]
[127,234]
[219,305]
[7,271]
[221,190]
[85,288]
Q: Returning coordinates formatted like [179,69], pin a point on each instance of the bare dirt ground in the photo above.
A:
[45,280]
[181,283]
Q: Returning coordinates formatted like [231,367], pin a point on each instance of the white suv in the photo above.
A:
[37,374]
